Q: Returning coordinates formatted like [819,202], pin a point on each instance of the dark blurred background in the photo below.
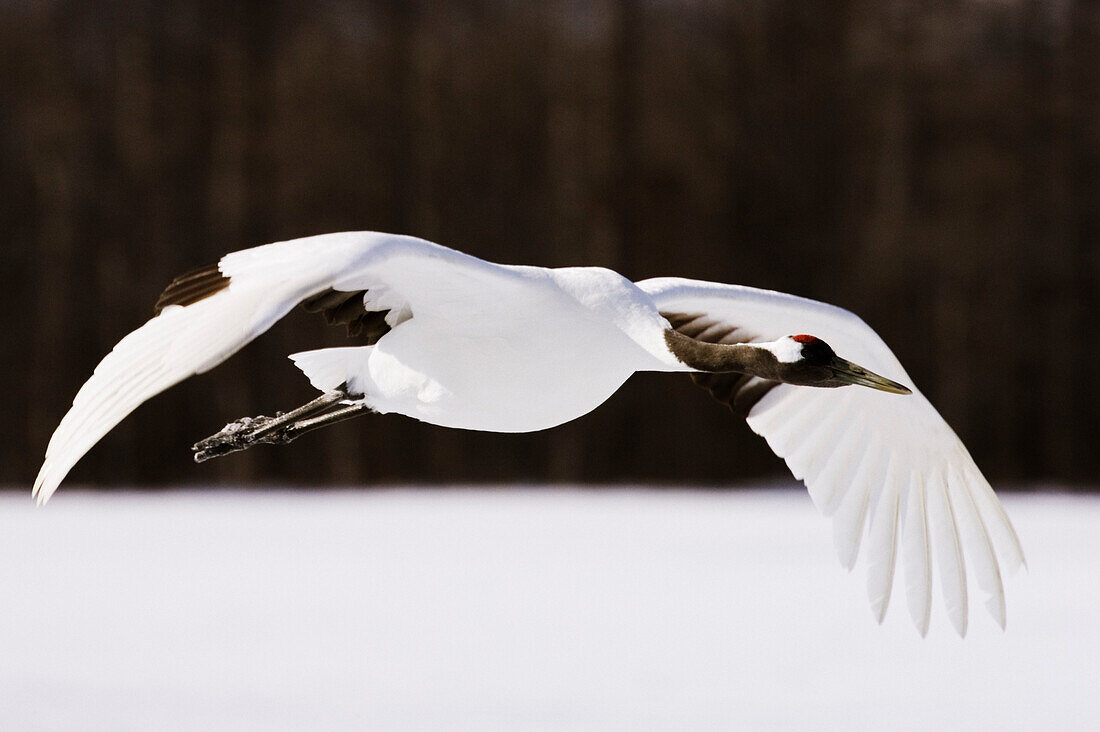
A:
[933,166]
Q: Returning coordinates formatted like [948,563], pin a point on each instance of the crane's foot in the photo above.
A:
[240,435]
[280,429]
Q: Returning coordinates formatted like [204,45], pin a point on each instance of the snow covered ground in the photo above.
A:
[536,609]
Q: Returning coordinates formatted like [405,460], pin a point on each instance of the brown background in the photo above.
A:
[933,166]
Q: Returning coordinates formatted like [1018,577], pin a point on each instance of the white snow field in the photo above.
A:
[499,609]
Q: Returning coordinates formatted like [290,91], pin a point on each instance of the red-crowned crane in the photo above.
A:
[456,341]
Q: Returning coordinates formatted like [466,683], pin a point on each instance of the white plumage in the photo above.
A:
[477,345]
[870,461]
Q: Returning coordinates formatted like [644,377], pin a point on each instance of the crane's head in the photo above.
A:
[807,360]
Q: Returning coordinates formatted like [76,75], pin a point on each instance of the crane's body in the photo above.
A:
[455,341]
[514,365]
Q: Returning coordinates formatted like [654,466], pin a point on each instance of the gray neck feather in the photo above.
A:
[742,358]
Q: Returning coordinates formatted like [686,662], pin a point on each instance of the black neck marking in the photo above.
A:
[695,336]
[718,358]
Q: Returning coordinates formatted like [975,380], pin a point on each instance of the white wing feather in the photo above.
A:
[882,552]
[265,283]
[916,554]
[878,463]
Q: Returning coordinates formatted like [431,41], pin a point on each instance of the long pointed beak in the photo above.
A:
[851,373]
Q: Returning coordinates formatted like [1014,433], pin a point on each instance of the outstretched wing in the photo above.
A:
[206,316]
[882,465]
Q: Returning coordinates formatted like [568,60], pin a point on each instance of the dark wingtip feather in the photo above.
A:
[190,287]
[339,307]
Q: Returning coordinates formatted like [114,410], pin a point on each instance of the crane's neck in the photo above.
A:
[744,358]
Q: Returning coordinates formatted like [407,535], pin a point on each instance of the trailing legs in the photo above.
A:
[282,428]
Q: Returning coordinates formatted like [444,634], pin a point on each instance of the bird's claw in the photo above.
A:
[240,435]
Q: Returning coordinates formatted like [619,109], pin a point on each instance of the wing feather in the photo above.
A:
[917,556]
[983,559]
[851,517]
[773,410]
[829,488]
[788,434]
[883,545]
[207,316]
[140,366]
[949,556]
[819,441]
[871,460]
[996,522]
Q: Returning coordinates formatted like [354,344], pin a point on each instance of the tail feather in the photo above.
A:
[329,369]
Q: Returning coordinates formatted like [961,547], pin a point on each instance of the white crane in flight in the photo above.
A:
[456,341]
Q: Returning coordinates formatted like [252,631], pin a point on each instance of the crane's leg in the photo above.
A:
[280,429]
